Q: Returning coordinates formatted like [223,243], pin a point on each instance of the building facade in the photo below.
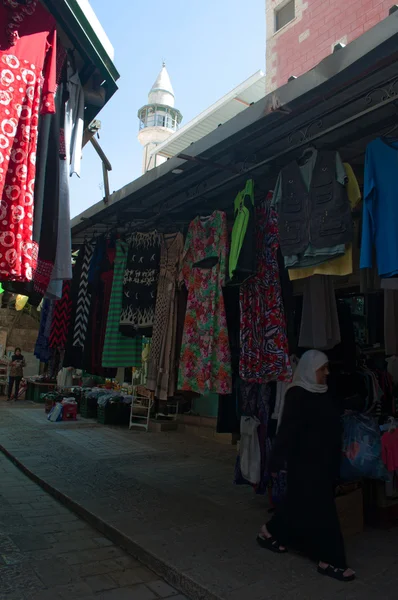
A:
[300,33]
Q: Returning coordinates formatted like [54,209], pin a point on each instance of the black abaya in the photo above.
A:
[308,444]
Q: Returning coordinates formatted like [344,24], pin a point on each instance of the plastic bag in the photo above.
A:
[55,413]
[362,449]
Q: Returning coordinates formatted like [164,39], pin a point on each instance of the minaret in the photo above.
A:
[158,119]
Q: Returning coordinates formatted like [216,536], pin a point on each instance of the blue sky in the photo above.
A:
[209,46]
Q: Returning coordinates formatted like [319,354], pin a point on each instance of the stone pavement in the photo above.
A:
[169,500]
[47,553]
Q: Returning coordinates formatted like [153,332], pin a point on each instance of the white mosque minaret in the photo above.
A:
[158,119]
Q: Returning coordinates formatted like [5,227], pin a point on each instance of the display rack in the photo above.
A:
[141,405]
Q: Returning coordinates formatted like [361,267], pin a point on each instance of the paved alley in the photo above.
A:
[169,500]
[47,553]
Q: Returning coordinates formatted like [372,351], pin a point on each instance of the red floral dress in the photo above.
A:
[27,45]
[264,346]
[205,363]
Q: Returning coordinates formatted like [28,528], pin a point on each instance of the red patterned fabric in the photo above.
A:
[27,69]
[61,319]
[42,278]
[264,346]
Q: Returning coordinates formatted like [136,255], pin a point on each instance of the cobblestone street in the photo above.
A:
[47,553]
[166,498]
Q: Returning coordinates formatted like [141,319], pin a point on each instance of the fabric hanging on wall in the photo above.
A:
[50,204]
[242,257]
[205,363]
[140,284]
[161,368]
[119,350]
[27,84]
[264,347]
[42,348]
[100,286]
[61,318]
[83,299]
[255,400]
[73,354]
[319,321]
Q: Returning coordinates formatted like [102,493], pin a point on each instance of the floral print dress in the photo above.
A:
[205,363]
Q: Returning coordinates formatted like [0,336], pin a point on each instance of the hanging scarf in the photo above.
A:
[17,11]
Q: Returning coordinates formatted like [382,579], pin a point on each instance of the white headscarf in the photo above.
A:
[305,374]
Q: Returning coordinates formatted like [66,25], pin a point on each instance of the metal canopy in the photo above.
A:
[77,20]
[227,107]
[350,96]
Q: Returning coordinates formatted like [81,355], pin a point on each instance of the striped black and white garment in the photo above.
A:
[78,324]
[140,284]
[83,299]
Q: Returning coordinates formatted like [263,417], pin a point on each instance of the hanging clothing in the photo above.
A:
[316,212]
[27,45]
[250,455]
[42,348]
[83,299]
[61,318]
[319,321]
[389,443]
[255,400]
[74,121]
[242,258]
[49,197]
[140,284]
[161,367]
[205,364]
[119,350]
[308,443]
[100,286]
[391,322]
[312,255]
[380,207]
[264,347]
[342,265]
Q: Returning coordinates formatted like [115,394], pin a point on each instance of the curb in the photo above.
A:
[175,578]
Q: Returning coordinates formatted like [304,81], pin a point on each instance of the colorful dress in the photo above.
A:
[161,370]
[205,363]
[264,345]
[27,44]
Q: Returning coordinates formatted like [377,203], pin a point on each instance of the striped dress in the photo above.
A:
[119,350]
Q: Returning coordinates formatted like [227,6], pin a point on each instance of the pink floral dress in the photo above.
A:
[205,362]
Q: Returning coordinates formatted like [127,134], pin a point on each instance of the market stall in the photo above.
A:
[242,253]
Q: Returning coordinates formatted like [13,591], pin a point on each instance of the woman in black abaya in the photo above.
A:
[308,444]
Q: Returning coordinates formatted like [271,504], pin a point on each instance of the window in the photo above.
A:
[284,15]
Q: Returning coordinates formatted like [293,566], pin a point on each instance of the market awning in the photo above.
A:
[227,107]
[343,101]
[79,23]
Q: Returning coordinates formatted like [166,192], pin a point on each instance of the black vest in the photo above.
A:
[320,216]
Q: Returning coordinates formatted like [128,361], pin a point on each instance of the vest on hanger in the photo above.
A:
[320,216]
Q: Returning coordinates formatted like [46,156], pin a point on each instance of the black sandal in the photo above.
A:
[336,573]
[270,544]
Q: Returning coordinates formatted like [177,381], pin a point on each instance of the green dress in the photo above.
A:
[119,350]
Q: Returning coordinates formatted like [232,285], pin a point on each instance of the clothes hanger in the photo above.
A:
[390,131]
[306,154]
